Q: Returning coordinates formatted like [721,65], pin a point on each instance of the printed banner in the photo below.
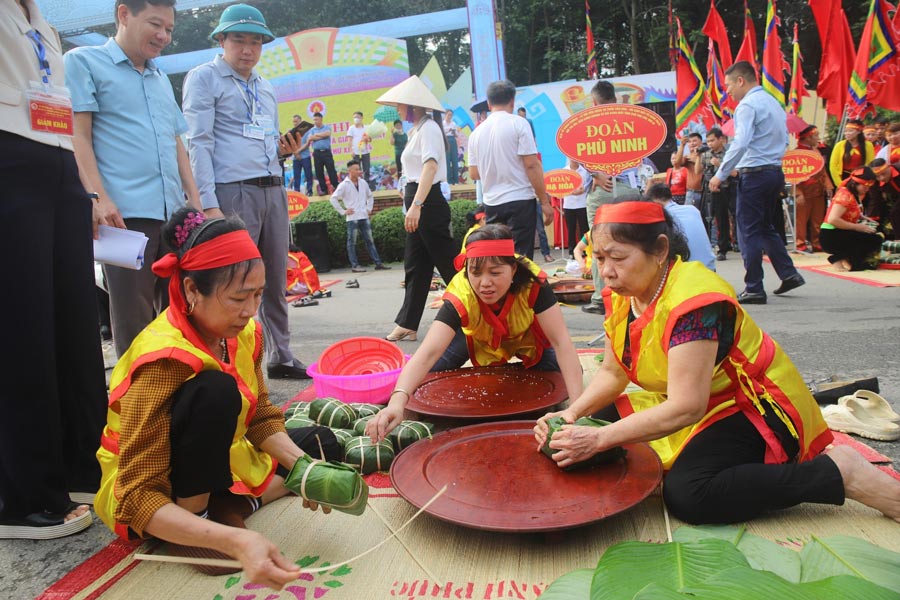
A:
[800,165]
[297,203]
[561,182]
[611,138]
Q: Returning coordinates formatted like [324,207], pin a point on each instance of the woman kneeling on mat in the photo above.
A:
[496,307]
[723,406]
[192,444]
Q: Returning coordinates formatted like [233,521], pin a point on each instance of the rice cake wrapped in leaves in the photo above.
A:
[298,408]
[359,425]
[365,410]
[607,456]
[331,412]
[328,483]
[297,421]
[343,436]
[408,432]
[368,457]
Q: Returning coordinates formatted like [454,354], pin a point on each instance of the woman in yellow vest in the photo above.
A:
[723,406]
[192,444]
[496,307]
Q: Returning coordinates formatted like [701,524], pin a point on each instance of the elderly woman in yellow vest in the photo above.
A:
[496,307]
[192,444]
[723,406]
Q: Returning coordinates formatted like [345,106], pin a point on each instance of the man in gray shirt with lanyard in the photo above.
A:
[234,143]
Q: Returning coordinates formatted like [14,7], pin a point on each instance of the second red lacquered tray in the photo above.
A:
[497,480]
[488,392]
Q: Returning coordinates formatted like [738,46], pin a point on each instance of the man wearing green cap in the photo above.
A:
[235,146]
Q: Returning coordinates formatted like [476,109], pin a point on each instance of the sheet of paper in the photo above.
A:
[120,247]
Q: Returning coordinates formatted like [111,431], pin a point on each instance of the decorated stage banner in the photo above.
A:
[335,73]
[561,182]
[612,137]
[800,165]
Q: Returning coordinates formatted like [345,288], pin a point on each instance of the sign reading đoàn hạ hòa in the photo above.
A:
[611,138]
[561,182]
[800,165]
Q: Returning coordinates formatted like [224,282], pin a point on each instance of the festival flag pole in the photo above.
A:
[773,63]
[592,70]
[874,81]
[798,83]
[747,51]
[690,94]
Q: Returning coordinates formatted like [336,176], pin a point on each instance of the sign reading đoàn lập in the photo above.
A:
[612,137]
[800,165]
[561,182]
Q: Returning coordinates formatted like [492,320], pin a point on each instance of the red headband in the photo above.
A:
[479,215]
[853,126]
[227,249]
[484,248]
[881,169]
[639,213]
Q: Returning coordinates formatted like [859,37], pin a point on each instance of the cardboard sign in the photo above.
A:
[297,203]
[561,182]
[612,137]
[800,165]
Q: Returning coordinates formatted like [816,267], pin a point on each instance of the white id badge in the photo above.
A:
[254,132]
[267,123]
[50,108]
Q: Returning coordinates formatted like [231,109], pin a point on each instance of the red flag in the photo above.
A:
[714,28]
[773,65]
[875,80]
[592,72]
[798,83]
[747,50]
[715,84]
[690,95]
[838,54]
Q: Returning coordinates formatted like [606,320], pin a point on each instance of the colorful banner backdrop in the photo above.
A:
[612,137]
[335,73]
[800,165]
[561,182]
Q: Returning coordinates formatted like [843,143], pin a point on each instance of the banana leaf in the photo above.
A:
[601,458]
[762,554]
[298,408]
[343,436]
[408,432]
[626,568]
[360,453]
[297,421]
[366,410]
[359,425]
[331,412]
[743,583]
[574,585]
[842,555]
[328,483]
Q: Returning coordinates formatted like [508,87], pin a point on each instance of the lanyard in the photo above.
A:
[251,97]
[35,37]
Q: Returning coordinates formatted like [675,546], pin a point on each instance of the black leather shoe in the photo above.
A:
[792,282]
[594,309]
[746,297]
[720,256]
[297,370]
[382,267]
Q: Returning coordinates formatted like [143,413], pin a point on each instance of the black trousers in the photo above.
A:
[325,161]
[521,218]
[853,246]
[429,246]
[723,204]
[720,476]
[204,414]
[54,399]
[576,225]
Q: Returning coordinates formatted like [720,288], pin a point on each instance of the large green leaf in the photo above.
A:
[741,583]
[842,555]
[574,585]
[626,568]
[762,554]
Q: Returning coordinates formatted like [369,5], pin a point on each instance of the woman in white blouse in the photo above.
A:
[451,130]
[429,240]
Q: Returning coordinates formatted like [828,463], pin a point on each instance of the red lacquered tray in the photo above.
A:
[573,290]
[481,392]
[497,481]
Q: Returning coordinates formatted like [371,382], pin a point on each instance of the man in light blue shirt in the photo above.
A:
[127,144]
[235,147]
[760,140]
[302,162]
[689,221]
[320,137]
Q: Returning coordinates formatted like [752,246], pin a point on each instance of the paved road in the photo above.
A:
[830,326]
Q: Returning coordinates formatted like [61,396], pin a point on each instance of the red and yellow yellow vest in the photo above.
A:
[755,378]
[251,469]
[492,338]
[300,269]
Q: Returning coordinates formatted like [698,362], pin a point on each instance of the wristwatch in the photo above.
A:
[418,203]
[94,196]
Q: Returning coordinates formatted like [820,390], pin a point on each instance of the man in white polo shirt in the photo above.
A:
[503,155]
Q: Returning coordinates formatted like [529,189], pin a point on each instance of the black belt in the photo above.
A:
[315,151]
[270,181]
[745,170]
